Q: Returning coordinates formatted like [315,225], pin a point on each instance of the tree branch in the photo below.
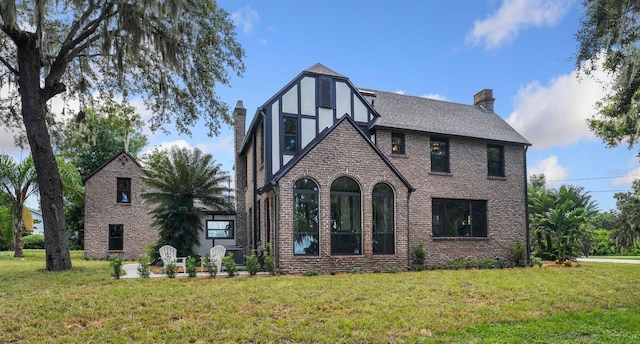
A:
[69,49]
[9,66]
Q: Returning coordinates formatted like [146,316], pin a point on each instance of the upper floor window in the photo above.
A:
[397,143]
[290,134]
[495,160]
[123,190]
[439,155]
[116,236]
[459,218]
[306,238]
[383,213]
[346,219]
[326,92]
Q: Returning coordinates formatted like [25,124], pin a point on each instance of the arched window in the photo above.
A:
[383,213]
[346,219]
[305,218]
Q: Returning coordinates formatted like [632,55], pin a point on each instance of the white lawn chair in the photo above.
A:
[216,253]
[169,254]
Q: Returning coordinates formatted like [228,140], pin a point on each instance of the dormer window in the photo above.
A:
[397,143]
[124,190]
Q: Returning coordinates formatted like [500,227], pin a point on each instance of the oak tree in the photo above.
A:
[171,53]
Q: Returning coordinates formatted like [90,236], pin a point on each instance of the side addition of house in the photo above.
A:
[117,221]
[333,177]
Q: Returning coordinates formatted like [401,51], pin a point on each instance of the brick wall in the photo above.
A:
[342,153]
[506,202]
[101,210]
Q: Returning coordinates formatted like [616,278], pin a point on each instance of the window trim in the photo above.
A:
[315,191]
[111,239]
[445,155]
[391,196]
[296,134]
[210,230]
[335,234]
[500,161]
[399,147]
[443,202]
[123,191]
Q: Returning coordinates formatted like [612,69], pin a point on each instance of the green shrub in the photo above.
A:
[229,265]
[394,270]
[191,266]
[487,263]
[252,264]
[116,264]
[419,256]
[355,271]
[455,264]
[145,261]
[171,269]
[33,242]
[518,254]
[269,261]
[211,264]
[310,273]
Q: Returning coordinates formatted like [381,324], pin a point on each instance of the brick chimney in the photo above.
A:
[484,99]
[240,166]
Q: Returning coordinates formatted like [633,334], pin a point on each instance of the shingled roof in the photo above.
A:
[432,116]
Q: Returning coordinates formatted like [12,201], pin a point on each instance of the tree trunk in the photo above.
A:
[34,117]
[17,230]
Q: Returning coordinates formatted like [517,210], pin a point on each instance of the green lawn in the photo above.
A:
[592,303]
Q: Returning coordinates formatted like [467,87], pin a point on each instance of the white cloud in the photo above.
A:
[628,179]
[556,114]
[554,173]
[246,18]
[513,16]
[435,96]
[399,92]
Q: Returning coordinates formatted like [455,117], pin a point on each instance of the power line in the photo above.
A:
[590,178]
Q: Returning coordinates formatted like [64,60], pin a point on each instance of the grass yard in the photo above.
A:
[591,303]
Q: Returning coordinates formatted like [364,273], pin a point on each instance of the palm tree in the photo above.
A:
[19,181]
[182,183]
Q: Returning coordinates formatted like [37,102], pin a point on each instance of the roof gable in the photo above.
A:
[122,152]
[345,120]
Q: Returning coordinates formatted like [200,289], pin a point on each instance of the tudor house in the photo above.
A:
[333,177]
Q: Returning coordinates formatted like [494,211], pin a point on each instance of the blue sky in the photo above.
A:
[522,49]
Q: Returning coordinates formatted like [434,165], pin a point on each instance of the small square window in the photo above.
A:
[397,143]
[124,190]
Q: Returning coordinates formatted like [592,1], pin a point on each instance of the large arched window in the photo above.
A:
[346,219]
[305,218]
[383,233]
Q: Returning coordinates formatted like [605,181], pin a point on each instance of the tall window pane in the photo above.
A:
[495,161]
[124,190]
[346,221]
[439,155]
[290,134]
[116,236]
[305,218]
[383,232]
